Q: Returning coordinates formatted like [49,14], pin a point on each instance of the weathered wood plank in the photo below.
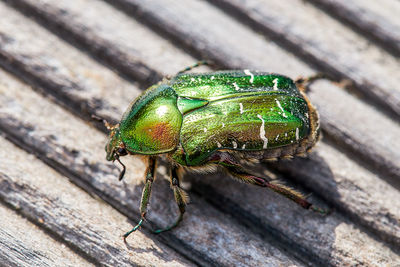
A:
[339,255]
[119,42]
[209,33]
[76,150]
[331,240]
[342,127]
[24,244]
[84,223]
[358,127]
[377,20]
[330,47]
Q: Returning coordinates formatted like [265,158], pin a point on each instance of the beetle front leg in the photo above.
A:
[145,194]
[181,199]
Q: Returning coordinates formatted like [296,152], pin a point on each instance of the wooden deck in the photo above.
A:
[61,203]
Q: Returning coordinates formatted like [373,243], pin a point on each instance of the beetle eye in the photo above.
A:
[122,151]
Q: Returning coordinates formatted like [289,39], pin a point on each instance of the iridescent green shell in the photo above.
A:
[193,115]
[246,111]
[152,123]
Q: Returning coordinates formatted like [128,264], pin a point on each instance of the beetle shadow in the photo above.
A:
[274,218]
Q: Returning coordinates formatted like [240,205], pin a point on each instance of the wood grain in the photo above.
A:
[376,21]
[24,244]
[81,64]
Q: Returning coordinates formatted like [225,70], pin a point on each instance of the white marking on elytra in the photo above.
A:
[234,144]
[205,129]
[236,86]
[244,146]
[275,81]
[247,72]
[262,131]
[241,108]
[297,134]
[279,105]
[219,144]
[276,138]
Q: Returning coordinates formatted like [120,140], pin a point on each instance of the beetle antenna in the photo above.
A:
[104,121]
[121,175]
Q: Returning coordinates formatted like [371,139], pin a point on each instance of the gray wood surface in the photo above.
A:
[378,21]
[31,248]
[63,62]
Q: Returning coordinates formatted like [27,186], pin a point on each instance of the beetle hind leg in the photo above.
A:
[241,174]
[181,199]
[237,171]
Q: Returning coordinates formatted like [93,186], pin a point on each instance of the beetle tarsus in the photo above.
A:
[197,64]
[320,210]
[134,228]
[158,231]
[180,198]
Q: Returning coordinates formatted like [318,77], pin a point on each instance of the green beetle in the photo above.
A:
[216,119]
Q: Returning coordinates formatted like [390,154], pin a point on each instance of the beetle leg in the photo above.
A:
[197,64]
[108,125]
[237,171]
[181,199]
[303,82]
[145,194]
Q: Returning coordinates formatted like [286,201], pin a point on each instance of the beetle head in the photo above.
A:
[115,148]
